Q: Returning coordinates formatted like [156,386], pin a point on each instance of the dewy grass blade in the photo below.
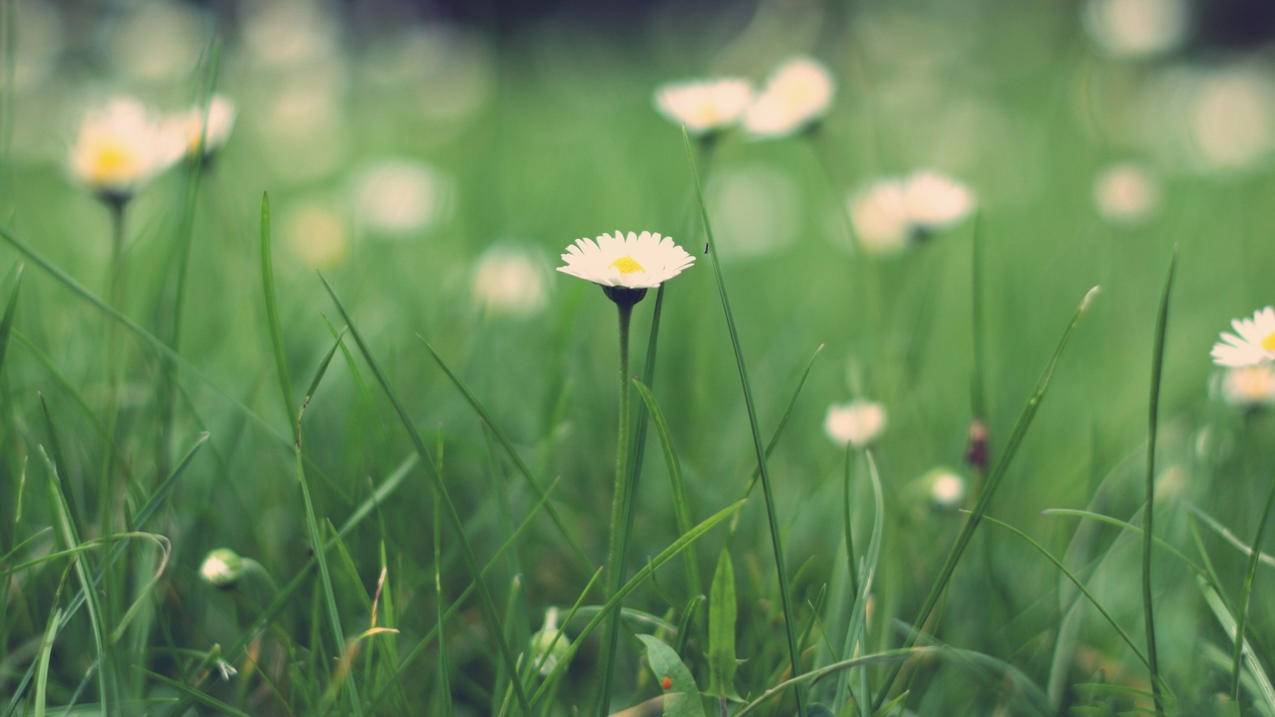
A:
[989,490]
[458,525]
[767,490]
[509,449]
[1157,367]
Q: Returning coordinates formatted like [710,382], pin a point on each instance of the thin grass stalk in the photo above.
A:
[1148,514]
[1250,573]
[794,657]
[985,498]
[621,502]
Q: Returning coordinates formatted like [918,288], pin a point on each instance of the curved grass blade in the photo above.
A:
[813,676]
[785,595]
[46,651]
[458,525]
[509,449]
[681,506]
[994,479]
[1226,534]
[1075,581]
[1125,525]
[1157,369]
[1224,618]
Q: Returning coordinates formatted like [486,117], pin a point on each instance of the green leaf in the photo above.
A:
[681,696]
[721,629]
[10,310]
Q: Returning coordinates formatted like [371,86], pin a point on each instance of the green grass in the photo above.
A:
[1107,561]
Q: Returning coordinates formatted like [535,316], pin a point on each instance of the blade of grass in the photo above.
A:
[10,312]
[857,629]
[1019,431]
[681,507]
[491,617]
[1250,572]
[1157,368]
[509,449]
[1226,534]
[42,672]
[1224,618]
[272,311]
[815,675]
[794,657]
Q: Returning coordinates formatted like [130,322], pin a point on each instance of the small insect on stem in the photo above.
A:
[667,682]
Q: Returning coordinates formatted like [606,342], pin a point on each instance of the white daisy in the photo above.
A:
[1137,28]
[1252,343]
[628,261]
[935,201]
[119,148]
[946,488]
[1249,386]
[704,106]
[1125,193]
[857,423]
[894,213]
[796,95]
[510,282]
[401,197]
[188,127]
[221,567]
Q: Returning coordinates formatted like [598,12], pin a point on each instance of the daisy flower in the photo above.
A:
[935,201]
[119,148]
[704,106]
[509,282]
[892,214]
[400,197]
[189,132]
[1252,343]
[1125,193]
[626,265]
[857,423]
[796,95]
[1249,386]
[946,488]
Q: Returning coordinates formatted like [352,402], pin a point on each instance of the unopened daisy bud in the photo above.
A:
[1249,387]
[222,568]
[626,265]
[1252,343]
[119,148]
[857,423]
[549,646]
[796,96]
[976,449]
[945,487]
[704,106]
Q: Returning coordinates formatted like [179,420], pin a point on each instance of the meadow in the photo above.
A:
[924,417]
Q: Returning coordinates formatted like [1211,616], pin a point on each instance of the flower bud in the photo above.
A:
[222,568]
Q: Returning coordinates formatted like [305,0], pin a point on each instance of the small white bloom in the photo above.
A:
[397,197]
[221,567]
[796,95]
[630,261]
[1125,193]
[857,423]
[1252,343]
[891,214]
[1249,386]
[1137,28]
[188,131]
[946,488]
[1231,120]
[316,234]
[508,281]
[119,148]
[703,106]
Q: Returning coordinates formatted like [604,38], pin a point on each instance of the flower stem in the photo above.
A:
[112,362]
[619,510]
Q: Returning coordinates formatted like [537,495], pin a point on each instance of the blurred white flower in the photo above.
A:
[704,106]
[757,208]
[1137,28]
[1126,193]
[857,423]
[1249,386]
[1230,120]
[796,95]
[549,645]
[188,127]
[629,261]
[222,567]
[892,214]
[1252,343]
[945,487]
[119,148]
[316,234]
[157,40]
[289,33]
[509,281]
[398,197]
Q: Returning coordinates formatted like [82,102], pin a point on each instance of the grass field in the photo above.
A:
[340,326]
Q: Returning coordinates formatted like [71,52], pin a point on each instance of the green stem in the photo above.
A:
[620,503]
[1241,616]
[113,364]
[1157,367]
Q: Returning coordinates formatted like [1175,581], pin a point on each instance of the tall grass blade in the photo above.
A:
[490,615]
[1157,368]
[10,312]
[272,311]
[785,595]
[994,479]
[1224,618]
[681,506]
[42,672]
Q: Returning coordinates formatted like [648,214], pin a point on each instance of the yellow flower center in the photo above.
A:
[629,265]
[1268,343]
[112,163]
